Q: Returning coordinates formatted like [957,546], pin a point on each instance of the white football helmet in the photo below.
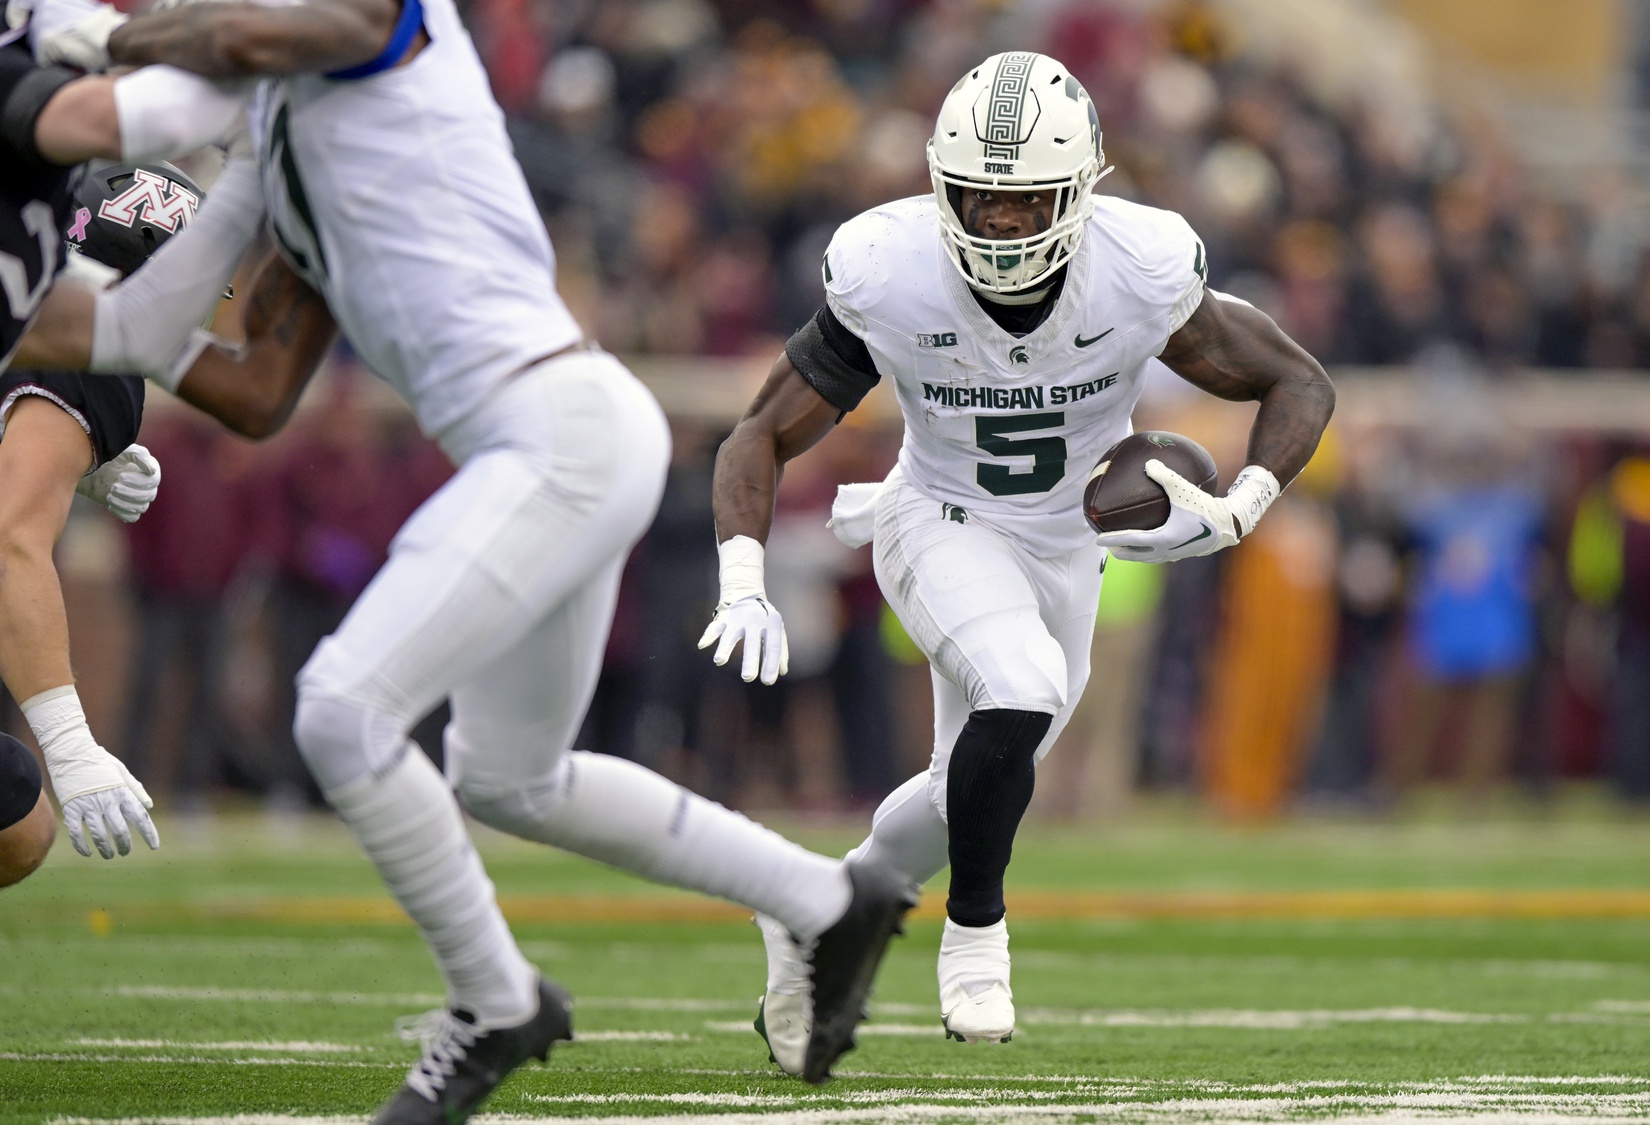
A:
[1018,120]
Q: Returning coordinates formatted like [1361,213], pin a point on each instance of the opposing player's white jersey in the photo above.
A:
[1008,428]
[398,198]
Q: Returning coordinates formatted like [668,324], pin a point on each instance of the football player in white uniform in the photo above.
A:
[1016,313]
[388,181]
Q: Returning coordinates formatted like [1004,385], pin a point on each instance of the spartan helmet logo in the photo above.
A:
[1160,440]
[1017,354]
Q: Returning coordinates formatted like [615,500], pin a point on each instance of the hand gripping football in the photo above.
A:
[1119,496]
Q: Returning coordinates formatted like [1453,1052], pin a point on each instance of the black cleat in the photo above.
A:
[845,961]
[462,1066]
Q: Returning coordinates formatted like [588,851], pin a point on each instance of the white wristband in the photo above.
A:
[741,568]
[166,112]
[1250,495]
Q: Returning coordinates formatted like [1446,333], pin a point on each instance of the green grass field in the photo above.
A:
[1165,970]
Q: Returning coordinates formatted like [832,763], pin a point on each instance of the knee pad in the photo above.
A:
[525,808]
[20,781]
[343,740]
[594,805]
[1046,683]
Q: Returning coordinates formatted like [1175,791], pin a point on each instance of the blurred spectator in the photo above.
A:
[1369,595]
[330,495]
[184,553]
[1091,768]
[1270,657]
[1610,568]
[1475,520]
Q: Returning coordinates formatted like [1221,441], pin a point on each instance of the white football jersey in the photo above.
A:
[398,197]
[1008,428]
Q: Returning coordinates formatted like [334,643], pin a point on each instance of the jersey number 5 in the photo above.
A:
[1048,454]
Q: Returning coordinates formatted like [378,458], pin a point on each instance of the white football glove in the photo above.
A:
[99,795]
[745,614]
[68,32]
[1198,524]
[126,484]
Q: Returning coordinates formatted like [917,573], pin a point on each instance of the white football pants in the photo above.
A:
[499,593]
[500,589]
[1001,628]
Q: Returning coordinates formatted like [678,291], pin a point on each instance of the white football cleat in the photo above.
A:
[976,1003]
[784,1015]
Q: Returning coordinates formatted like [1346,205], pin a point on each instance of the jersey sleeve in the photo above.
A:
[856,275]
[1181,273]
[25,88]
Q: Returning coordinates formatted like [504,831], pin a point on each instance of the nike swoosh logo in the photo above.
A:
[1204,534]
[1082,343]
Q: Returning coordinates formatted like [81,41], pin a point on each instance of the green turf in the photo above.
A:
[125,994]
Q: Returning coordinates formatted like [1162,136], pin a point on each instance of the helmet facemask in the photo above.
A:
[1018,122]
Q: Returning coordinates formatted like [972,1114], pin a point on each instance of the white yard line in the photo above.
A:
[275,995]
[1483,1100]
[301,1046]
[175,1060]
[1257,1019]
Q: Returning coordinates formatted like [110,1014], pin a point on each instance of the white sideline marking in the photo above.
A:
[1258,1018]
[1604,1011]
[301,1045]
[628,1036]
[1482,1100]
[275,995]
[1405,1110]
[174,1060]
[408,999]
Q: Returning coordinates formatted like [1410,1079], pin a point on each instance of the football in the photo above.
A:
[1119,496]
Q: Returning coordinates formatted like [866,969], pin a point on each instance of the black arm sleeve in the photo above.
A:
[834,361]
[24,91]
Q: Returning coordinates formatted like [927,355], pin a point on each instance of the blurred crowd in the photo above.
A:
[694,157]
[1457,603]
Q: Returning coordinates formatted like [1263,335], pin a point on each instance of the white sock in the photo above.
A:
[409,824]
[58,721]
[626,815]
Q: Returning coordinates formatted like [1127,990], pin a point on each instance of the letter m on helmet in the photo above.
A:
[151,196]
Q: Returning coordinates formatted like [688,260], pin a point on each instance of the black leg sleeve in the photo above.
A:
[986,793]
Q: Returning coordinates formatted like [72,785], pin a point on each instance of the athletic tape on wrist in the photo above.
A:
[1250,495]
[56,717]
[741,569]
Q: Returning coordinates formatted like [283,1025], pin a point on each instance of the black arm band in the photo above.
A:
[834,361]
[22,110]
[19,781]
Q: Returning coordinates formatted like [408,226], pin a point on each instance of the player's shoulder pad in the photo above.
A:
[1163,259]
[871,250]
